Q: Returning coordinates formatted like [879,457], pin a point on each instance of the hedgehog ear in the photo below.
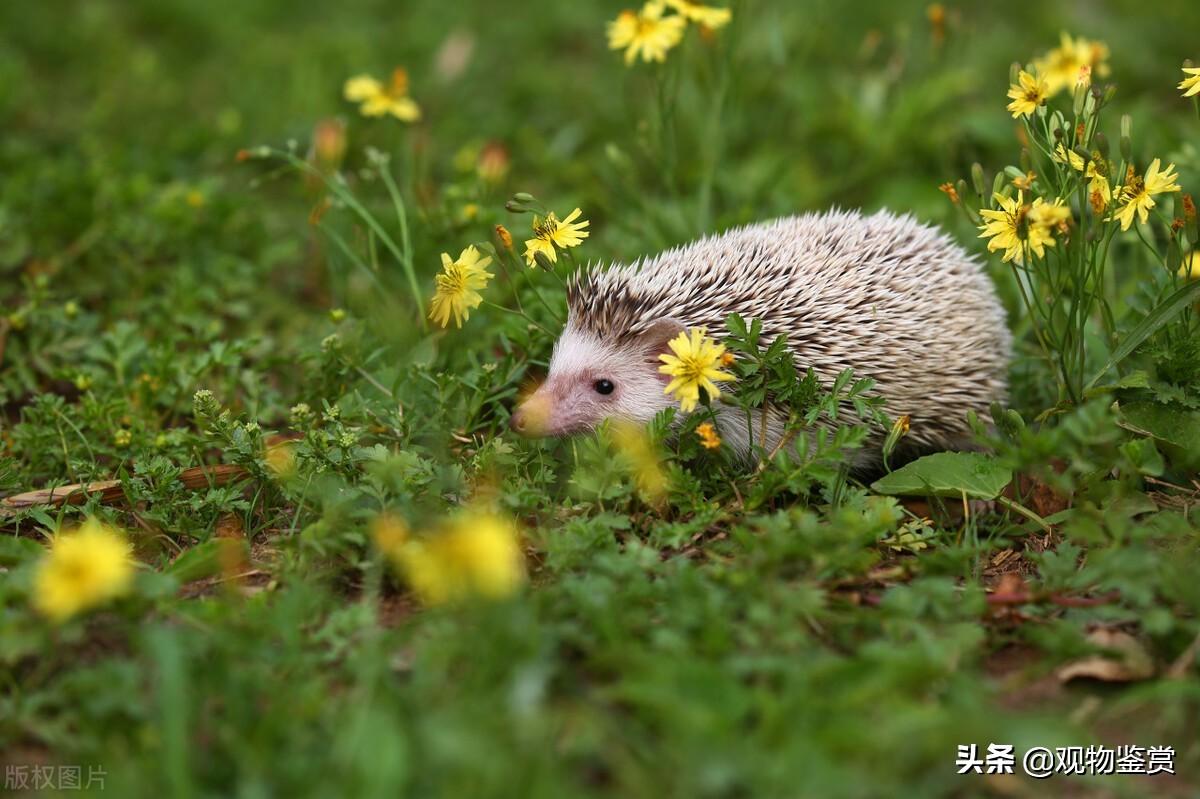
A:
[654,340]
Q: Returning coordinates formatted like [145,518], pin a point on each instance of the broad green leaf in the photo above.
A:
[947,474]
[1153,321]
[1164,422]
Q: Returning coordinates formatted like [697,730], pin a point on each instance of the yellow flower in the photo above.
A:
[1099,191]
[1049,216]
[646,32]
[707,16]
[474,554]
[1191,85]
[457,287]
[1029,92]
[1061,67]
[693,367]
[1137,193]
[632,441]
[83,569]
[377,100]
[1016,226]
[1024,182]
[708,436]
[549,233]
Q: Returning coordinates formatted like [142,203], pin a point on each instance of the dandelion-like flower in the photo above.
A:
[1137,195]
[1190,85]
[1014,227]
[1096,171]
[1061,67]
[708,16]
[647,32]
[708,436]
[1029,92]
[550,233]
[474,554]
[82,570]
[693,367]
[378,100]
[458,287]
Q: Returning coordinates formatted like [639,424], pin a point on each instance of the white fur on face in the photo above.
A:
[568,401]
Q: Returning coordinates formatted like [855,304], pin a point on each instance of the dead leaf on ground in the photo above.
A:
[1131,661]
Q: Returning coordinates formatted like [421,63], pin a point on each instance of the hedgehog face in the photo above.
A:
[592,380]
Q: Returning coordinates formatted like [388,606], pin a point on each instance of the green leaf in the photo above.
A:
[947,474]
[1153,321]
[1164,422]
[15,550]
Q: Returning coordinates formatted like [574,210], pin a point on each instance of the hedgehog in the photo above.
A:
[885,295]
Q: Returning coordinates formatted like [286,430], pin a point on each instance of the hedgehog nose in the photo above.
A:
[517,421]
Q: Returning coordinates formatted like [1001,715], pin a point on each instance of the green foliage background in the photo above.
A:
[769,647]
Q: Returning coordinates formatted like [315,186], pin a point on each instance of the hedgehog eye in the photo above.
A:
[603,386]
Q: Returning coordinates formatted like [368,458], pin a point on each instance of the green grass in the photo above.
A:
[783,631]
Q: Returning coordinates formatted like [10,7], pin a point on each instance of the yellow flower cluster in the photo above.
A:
[651,32]
[693,367]
[1019,229]
[83,569]
[376,99]
[475,554]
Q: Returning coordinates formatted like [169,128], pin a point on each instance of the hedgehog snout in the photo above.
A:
[531,417]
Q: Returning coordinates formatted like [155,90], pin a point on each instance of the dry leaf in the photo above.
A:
[1131,661]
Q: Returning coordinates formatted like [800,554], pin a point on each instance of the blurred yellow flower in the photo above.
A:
[390,534]
[1190,269]
[1016,226]
[707,16]
[1136,196]
[474,554]
[1024,182]
[1190,85]
[549,233]
[1061,67]
[83,569]
[378,100]
[281,459]
[458,285]
[708,436]
[646,32]
[1029,92]
[693,367]
[632,441]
